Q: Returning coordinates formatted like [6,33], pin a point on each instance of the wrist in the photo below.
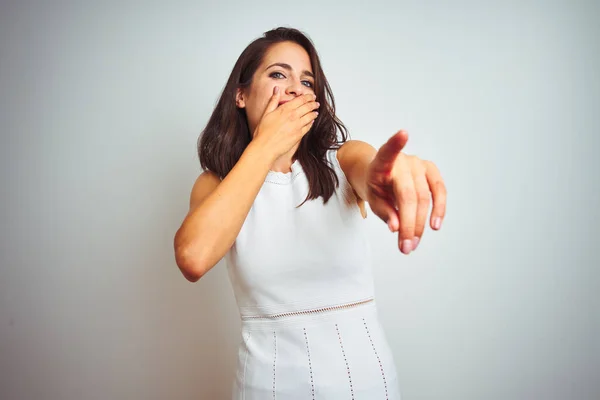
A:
[260,153]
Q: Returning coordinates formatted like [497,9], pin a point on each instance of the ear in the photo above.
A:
[239,98]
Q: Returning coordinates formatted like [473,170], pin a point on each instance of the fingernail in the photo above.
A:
[415,243]
[437,223]
[406,246]
[276,89]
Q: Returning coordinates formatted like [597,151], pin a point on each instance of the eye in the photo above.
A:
[279,75]
[273,75]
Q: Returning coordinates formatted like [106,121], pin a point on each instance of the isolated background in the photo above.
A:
[101,104]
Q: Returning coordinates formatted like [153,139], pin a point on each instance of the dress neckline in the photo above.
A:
[284,178]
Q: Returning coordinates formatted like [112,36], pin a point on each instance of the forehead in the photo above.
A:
[290,53]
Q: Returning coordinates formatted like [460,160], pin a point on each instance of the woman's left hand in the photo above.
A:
[399,191]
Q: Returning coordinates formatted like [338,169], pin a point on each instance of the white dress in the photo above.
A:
[303,284]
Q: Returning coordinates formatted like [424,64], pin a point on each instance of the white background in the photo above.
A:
[101,104]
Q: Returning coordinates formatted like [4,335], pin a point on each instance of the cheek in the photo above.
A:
[262,91]
[268,90]
[255,106]
[266,93]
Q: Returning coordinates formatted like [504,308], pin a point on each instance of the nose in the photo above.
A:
[295,88]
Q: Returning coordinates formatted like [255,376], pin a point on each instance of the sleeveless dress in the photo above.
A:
[303,285]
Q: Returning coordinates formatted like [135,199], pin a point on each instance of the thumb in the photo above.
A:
[273,102]
[386,212]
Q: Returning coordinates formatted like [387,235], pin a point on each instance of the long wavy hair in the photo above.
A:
[227,134]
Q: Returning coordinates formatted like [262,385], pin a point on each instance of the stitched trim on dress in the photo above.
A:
[312,383]
[378,359]
[274,361]
[285,180]
[345,360]
[308,312]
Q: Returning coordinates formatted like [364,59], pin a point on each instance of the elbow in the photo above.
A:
[189,264]
[192,275]
[191,269]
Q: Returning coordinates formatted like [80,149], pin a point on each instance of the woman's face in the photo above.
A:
[286,65]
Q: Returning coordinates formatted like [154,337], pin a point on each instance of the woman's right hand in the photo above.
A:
[281,128]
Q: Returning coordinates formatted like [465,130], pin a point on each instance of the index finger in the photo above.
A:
[387,154]
[300,101]
[438,194]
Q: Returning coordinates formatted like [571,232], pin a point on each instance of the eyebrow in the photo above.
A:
[289,68]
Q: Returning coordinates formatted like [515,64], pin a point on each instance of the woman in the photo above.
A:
[282,198]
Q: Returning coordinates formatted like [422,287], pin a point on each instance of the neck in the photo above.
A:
[285,161]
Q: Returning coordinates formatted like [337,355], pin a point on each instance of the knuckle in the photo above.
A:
[439,185]
[432,167]
[407,195]
[423,197]
[417,166]
[407,232]
[440,208]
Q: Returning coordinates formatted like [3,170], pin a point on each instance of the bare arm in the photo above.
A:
[354,157]
[218,209]
[217,213]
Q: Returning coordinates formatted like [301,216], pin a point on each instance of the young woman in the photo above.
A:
[283,198]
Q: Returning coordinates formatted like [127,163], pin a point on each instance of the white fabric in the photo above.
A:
[287,259]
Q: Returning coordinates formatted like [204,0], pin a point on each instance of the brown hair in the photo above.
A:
[227,134]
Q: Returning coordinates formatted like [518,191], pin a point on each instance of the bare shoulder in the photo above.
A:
[348,152]
[346,155]
[205,184]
